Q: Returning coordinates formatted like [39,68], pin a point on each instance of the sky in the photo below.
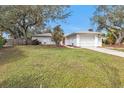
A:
[79,19]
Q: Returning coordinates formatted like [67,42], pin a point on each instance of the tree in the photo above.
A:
[110,38]
[24,18]
[111,19]
[57,35]
[7,19]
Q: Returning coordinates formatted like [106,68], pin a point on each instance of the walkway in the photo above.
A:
[107,51]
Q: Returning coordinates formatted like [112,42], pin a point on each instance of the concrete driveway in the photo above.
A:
[107,51]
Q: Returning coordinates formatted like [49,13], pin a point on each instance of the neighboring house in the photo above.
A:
[44,38]
[84,39]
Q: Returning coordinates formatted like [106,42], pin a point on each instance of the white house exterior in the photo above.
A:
[45,38]
[84,39]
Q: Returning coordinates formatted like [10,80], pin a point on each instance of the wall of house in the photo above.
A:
[45,40]
[98,41]
[71,40]
[77,40]
[84,40]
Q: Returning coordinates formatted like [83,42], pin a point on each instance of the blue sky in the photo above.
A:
[79,19]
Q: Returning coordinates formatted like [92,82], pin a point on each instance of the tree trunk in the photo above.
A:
[26,42]
[119,40]
[57,43]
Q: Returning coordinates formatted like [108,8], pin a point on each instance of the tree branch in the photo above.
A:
[7,29]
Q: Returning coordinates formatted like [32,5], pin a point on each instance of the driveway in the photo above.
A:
[107,51]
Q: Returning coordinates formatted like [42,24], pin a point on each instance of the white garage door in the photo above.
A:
[87,40]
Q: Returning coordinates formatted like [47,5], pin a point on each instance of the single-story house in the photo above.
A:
[84,39]
[79,39]
[44,38]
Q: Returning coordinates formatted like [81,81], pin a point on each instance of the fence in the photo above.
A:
[19,41]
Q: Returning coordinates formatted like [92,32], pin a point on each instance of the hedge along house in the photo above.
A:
[84,39]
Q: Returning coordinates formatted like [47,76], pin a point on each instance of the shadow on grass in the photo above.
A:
[112,75]
[9,55]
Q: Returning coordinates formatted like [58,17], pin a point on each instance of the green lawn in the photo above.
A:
[119,49]
[36,66]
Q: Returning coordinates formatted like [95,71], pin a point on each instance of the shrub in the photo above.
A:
[2,41]
[35,42]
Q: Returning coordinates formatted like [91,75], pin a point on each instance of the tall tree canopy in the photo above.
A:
[19,20]
[111,19]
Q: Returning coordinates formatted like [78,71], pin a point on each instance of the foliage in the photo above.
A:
[2,40]
[21,20]
[7,19]
[110,38]
[58,35]
[110,18]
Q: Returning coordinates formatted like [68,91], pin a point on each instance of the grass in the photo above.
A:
[119,49]
[36,66]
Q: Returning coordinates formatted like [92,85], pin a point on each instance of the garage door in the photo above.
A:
[87,41]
